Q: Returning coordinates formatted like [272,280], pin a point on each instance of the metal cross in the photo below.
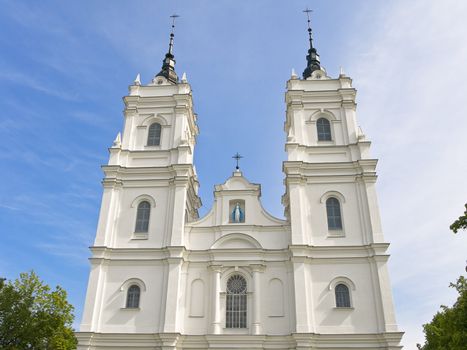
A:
[237,157]
[174,16]
[308,11]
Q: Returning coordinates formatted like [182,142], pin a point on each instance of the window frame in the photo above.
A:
[132,294]
[329,134]
[157,137]
[331,217]
[137,230]
[236,318]
[347,300]
[346,281]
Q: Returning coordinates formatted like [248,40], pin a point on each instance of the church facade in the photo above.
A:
[239,278]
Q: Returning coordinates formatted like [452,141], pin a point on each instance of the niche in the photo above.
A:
[236,211]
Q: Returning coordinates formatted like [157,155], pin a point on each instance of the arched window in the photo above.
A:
[132,297]
[236,302]
[324,129]
[142,217]
[342,295]
[154,134]
[333,210]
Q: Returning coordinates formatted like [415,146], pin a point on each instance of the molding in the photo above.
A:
[227,257]
[322,113]
[341,279]
[284,226]
[331,171]
[139,282]
[143,197]
[172,341]
[236,236]
[153,118]
[336,194]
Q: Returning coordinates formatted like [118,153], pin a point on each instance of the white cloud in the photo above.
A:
[10,76]
[412,86]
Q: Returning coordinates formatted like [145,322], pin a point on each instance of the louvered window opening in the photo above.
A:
[154,135]
[342,296]
[334,214]
[142,217]
[236,308]
[132,300]
[324,129]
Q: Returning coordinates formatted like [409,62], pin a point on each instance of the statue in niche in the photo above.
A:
[237,214]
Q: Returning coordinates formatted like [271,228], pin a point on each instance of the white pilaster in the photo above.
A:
[384,285]
[256,319]
[216,327]
[296,211]
[301,288]
[172,315]
[91,310]
[178,215]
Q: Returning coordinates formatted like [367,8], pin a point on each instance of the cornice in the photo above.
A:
[141,173]
[296,253]
[335,252]
[306,97]
[221,192]
[245,341]
[236,227]
[363,167]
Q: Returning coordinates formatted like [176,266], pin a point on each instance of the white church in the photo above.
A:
[238,278]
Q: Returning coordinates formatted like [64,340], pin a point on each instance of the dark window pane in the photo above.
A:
[333,212]
[142,217]
[342,296]
[236,303]
[132,299]
[154,135]
[324,129]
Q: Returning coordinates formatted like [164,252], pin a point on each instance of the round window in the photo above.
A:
[236,285]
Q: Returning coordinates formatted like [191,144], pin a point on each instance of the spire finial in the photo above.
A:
[308,11]
[168,64]
[172,34]
[312,58]
[137,80]
[237,157]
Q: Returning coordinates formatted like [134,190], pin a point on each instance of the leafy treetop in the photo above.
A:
[32,316]
[448,329]
[461,223]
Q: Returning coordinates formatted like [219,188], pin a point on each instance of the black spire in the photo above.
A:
[312,58]
[168,64]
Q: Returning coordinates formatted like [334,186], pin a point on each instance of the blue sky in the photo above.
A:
[65,66]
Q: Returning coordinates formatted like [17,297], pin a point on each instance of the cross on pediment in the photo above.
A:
[237,157]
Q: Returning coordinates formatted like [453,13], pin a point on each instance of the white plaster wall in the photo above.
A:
[158,221]
[362,317]
[268,239]
[350,212]
[197,323]
[274,322]
[114,316]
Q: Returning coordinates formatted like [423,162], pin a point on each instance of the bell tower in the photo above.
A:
[150,193]
[331,203]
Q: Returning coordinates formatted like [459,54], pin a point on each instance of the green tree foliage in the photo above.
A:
[448,329]
[461,223]
[32,316]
